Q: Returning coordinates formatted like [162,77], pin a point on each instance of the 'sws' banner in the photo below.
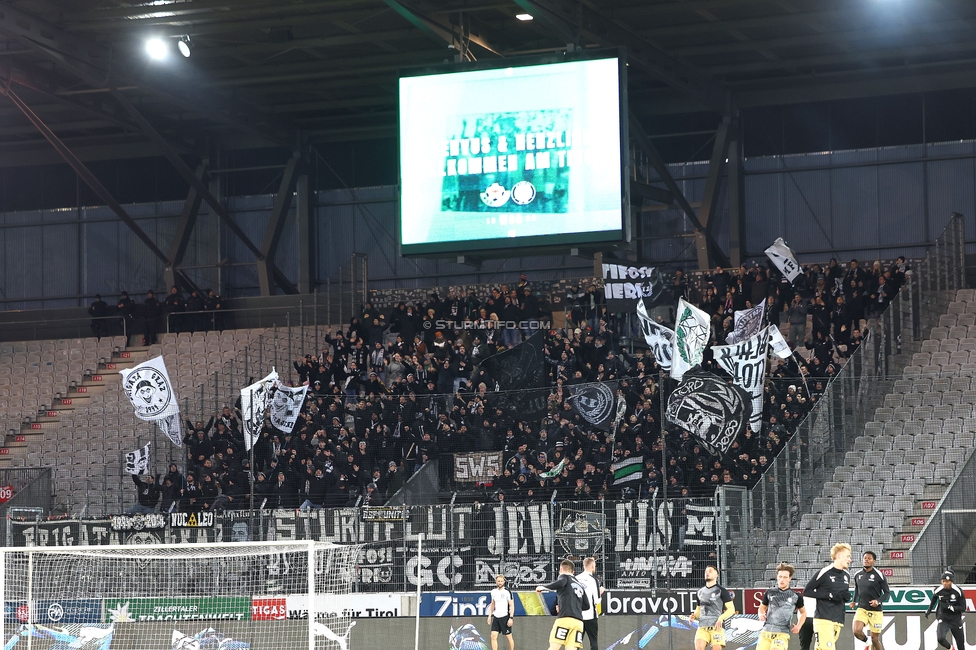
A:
[477,466]
[625,286]
[746,362]
[152,396]
[658,337]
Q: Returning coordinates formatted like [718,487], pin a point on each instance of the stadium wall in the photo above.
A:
[869,203]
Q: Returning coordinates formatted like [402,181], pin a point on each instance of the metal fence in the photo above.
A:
[773,509]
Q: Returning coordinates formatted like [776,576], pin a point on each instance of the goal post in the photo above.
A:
[285,594]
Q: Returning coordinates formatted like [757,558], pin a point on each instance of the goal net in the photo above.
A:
[231,596]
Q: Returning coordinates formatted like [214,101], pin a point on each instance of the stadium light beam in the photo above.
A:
[156,49]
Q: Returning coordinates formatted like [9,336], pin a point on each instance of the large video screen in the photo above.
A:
[523,156]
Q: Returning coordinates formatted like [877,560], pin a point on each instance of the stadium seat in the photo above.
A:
[965,295]
[903,413]
[931,371]
[912,399]
[921,358]
[906,386]
[956,307]
[958,332]
[966,319]
[930,346]
[923,412]
[939,333]
[947,320]
[894,486]
[912,371]
[948,346]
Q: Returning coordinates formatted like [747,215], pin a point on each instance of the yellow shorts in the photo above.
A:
[826,633]
[773,641]
[711,635]
[873,620]
[568,632]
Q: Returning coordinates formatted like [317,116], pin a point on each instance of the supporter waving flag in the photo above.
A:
[152,396]
[784,259]
[254,404]
[691,332]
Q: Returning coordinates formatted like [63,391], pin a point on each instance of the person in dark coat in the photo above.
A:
[98,310]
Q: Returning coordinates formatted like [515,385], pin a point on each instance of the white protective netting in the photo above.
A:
[189,597]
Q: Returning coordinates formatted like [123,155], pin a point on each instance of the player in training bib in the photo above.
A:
[870,590]
[776,612]
[500,613]
[714,606]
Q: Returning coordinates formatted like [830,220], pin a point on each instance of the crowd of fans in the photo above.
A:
[397,389]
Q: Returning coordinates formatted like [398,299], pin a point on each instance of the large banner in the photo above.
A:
[153,399]
[626,286]
[465,546]
[595,403]
[517,372]
[712,410]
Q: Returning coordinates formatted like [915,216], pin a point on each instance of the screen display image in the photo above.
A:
[509,157]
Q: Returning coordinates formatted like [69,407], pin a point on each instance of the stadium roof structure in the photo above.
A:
[274,72]
[284,73]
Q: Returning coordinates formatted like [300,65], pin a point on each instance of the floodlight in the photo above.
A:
[156,48]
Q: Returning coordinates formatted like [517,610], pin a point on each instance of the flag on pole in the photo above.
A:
[659,338]
[137,462]
[555,471]
[594,402]
[784,259]
[151,393]
[746,362]
[748,322]
[690,338]
[628,469]
[286,404]
[779,345]
[254,404]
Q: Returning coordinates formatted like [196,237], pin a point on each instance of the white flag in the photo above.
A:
[151,392]
[746,362]
[286,404]
[691,333]
[659,338]
[783,258]
[254,404]
[748,322]
[137,462]
[780,347]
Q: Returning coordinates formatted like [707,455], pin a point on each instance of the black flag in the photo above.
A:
[517,372]
[714,411]
[595,403]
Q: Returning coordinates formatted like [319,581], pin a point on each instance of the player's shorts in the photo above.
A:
[568,632]
[711,635]
[773,641]
[825,633]
[874,620]
[501,625]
